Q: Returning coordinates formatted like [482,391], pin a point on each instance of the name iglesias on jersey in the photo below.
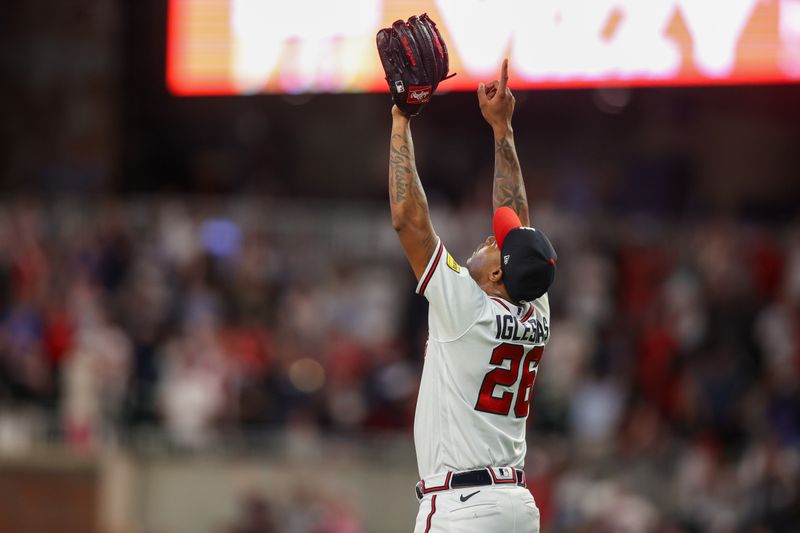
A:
[508,328]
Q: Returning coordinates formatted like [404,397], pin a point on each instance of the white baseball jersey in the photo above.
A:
[480,364]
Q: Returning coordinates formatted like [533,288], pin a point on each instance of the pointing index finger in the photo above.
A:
[504,76]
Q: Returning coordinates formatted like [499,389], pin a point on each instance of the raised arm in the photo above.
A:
[497,107]
[410,216]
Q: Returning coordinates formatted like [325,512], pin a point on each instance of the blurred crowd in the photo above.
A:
[119,316]
[668,400]
[305,512]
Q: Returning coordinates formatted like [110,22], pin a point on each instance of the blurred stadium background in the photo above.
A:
[207,323]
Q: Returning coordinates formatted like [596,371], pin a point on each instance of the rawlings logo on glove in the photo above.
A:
[414,58]
[419,95]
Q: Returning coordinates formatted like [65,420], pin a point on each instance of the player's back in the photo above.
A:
[480,364]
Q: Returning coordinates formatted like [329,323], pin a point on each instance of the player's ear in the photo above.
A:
[496,275]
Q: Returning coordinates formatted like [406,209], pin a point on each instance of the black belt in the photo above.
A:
[472,478]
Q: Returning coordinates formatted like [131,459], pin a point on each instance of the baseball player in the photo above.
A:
[488,324]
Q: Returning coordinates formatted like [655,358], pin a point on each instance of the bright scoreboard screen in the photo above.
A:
[226,47]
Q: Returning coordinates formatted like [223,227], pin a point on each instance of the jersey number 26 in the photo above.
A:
[507,377]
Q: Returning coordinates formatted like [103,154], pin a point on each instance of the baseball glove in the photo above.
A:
[415,60]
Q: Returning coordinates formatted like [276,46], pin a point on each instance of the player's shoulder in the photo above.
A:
[445,278]
[456,300]
[443,262]
[542,304]
[449,261]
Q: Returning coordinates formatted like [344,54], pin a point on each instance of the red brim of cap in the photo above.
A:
[505,219]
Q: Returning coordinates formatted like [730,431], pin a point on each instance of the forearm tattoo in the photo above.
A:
[404,184]
[407,197]
[509,189]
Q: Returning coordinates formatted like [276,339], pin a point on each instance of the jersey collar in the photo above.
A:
[520,309]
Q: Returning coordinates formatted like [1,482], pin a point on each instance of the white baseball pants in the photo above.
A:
[483,509]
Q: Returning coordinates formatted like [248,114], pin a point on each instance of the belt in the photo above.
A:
[491,475]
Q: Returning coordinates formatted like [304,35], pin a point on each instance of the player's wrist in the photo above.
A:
[400,124]
[501,130]
[398,116]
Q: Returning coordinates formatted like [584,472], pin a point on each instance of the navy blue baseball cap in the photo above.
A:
[527,258]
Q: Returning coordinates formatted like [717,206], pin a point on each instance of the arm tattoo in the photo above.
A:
[400,170]
[408,202]
[428,245]
[509,188]
[404,184]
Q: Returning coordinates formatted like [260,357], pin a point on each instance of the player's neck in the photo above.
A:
[497,290]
